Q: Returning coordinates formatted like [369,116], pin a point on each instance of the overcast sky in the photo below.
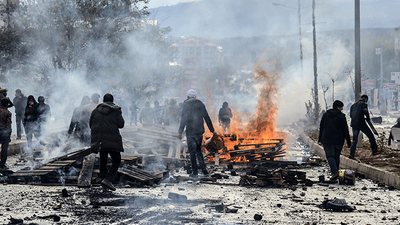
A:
[158,3]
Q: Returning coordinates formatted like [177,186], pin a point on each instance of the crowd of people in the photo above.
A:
[97,125]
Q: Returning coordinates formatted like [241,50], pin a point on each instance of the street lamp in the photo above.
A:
[300,38]
[378,51]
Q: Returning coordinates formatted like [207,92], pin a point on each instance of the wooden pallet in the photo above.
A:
[46,173]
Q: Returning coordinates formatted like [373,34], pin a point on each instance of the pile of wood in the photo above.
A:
[264,177]
[271,150]
[81,168]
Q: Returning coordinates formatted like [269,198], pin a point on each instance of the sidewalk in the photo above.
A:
[371,172]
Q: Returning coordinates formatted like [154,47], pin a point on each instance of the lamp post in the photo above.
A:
[300,37]
[382,98]
[316,105]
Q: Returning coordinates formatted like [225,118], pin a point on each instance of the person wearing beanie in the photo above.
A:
[105,122]
[19,104]
[30,120]
[44,115]
[194,113]
[5,132]
[83,125]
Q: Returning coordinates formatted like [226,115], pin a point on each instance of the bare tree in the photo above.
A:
[325,89]
[333,79]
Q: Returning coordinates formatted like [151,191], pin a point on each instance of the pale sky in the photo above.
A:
[158,3]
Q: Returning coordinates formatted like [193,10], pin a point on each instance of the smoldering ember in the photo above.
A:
[199,112]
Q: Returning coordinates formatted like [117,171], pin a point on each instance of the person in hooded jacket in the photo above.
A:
[225,116]
[359,115]
[105,121]
[73,126]
[19,104]
[194,113]
[31,120]
[333,130]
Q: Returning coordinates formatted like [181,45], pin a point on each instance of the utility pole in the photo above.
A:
[357,63]
[300,39]
[316,109]
[382,97]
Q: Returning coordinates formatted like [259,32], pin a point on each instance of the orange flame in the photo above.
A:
[261,126]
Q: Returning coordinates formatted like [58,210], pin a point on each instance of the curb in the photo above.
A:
[373,173]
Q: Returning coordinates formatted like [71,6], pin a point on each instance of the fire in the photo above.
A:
[261,126]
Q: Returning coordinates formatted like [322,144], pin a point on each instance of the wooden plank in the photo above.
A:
[178,150]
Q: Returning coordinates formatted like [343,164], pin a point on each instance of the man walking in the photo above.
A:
[5,131]
[19,104]
[359,115]
[194,114]
[105,121]
[333,130]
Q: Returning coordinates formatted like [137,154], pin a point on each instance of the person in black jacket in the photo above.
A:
[333,130]
[359,114]
[31,120]
[105,121]
[194,114]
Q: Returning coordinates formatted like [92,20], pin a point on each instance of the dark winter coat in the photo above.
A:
[5,119]
[31,113]
[333,129]
[194,114]
[19,104]
[105,121]
[225,115]
[358,114]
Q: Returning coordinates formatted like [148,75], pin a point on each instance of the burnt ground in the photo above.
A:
[223,202]
[297,204]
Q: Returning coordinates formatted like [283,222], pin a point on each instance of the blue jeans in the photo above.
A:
[332,153]
[365,129]
[194,147]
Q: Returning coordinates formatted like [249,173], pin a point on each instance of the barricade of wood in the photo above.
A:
[65,170]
